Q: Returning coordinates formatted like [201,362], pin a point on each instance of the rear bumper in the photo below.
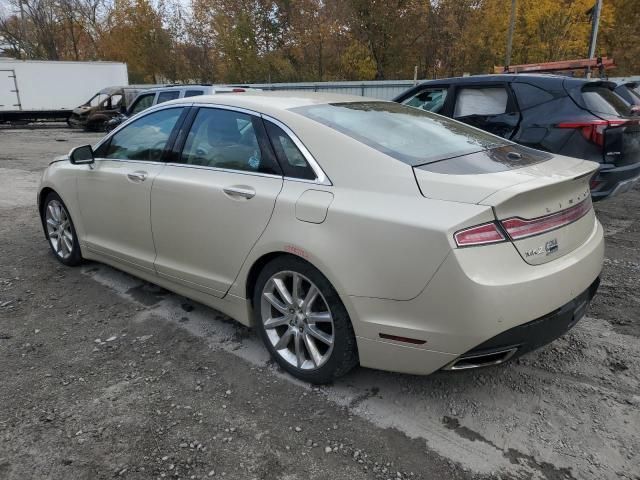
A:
[529,336]
[615,180]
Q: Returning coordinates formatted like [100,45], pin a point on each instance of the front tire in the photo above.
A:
[302,321]
[60,232]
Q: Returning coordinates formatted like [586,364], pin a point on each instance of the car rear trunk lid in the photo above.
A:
[544,207]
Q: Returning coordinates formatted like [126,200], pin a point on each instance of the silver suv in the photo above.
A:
[154,96]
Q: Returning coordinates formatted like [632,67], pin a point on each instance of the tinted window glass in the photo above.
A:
[292,160]
[529,96]
[431,99]
[142,103]
[408,134]
[226,139]
[166,96]
[600,99]
[145,138]
[193,93]
[481,101]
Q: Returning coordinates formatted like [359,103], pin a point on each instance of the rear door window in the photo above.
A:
[431,99]
[488,108]
[228,140]
[168,95]
[481,101]
[193,93]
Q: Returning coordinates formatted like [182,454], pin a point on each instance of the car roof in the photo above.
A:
[271,102]
[191,86]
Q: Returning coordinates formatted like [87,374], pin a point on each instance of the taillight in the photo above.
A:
[593,130]
[519,228]
[484,234]
[238,90]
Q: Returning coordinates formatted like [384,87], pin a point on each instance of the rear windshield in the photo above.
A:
[599,99]
[413,136]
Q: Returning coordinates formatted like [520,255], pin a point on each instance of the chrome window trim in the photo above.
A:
[321,177]
[223,170]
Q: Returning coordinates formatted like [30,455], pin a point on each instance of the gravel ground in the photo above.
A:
[105,376]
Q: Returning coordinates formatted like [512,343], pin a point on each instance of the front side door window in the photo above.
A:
[145,139]
[488,108]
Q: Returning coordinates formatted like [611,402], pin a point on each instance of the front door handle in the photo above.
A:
[240,191]
[138,176]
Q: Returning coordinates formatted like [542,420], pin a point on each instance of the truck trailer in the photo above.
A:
[34,90]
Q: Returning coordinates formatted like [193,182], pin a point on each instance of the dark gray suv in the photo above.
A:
[568,116]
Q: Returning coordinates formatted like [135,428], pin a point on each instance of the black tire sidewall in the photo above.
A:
[344,355]
[76,256]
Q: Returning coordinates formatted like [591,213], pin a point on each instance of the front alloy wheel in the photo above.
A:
[60,231]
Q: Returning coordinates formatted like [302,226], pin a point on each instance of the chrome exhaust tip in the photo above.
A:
[479,360]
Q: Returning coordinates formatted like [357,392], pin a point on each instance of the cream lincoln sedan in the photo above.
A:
[345,230]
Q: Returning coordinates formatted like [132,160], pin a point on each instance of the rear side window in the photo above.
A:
[226,139]
[193,93]
[529,96]
[166,96]
[292,161]
[481,101]
[413,136]
[431,99]
[600,99]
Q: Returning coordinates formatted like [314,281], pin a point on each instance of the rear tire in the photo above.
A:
[60,232]
[302,321]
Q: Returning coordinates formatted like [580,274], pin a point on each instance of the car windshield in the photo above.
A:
[413,136]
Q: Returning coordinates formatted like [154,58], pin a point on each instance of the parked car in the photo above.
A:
[103,106]
[573,117]
[630,92]
[343,229]
[155,96]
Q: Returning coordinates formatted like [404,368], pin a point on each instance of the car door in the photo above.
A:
[114,193]
[489,107]
[210,206]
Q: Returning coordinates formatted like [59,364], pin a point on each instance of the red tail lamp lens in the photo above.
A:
[484,234]
[519,228]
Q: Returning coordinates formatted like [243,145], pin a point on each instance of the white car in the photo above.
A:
[345,230]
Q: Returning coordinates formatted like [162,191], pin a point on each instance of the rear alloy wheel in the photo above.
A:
[60,231]
[302,321]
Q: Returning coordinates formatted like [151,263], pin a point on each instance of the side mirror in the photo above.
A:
[82,155]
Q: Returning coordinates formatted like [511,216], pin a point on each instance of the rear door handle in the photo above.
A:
[138,176]
[240,191]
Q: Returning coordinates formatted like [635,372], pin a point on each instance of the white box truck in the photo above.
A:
[33,90]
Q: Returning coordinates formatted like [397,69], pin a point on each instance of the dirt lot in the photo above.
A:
[106,376]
